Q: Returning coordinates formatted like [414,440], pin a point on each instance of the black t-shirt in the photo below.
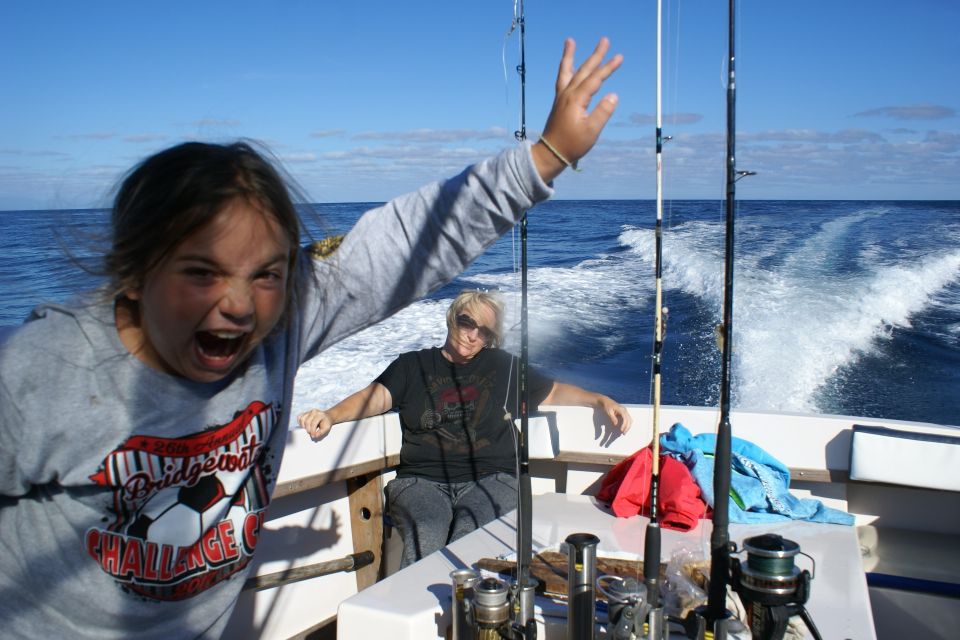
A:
[453,416]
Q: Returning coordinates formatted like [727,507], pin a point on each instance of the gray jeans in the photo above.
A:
[429,515]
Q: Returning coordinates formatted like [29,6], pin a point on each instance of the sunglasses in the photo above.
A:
[467,323]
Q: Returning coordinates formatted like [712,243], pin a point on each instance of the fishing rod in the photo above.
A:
[524,593]
[488,608]
[716,611]
[770,586]
[633,610]
[651,550]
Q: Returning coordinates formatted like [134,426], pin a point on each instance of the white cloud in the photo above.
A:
[327,133]
[35,153]
[145,137]
[296,158]
[214,122]
[437,135]
[102,135]
[669,119]
[910,112]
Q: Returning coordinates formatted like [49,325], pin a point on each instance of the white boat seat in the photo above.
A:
[910,458]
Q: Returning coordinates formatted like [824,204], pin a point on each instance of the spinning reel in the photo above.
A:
[771,586]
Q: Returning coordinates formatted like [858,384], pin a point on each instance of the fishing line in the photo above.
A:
[514,23]
[509,412]
[673,101]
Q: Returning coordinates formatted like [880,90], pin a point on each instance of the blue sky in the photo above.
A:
[363,101]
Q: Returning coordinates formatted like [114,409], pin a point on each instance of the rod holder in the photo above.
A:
[581,576]
[698,623]
[656,624]
[523,602]
[461,603]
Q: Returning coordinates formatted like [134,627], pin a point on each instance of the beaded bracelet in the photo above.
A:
[572,165]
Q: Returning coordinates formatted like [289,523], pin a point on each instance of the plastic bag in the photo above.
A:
[686,572]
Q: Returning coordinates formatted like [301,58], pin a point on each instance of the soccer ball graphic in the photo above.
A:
[178,516]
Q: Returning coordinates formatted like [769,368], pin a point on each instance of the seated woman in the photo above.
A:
[458,457]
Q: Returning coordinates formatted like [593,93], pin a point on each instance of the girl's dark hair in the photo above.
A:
[178,191]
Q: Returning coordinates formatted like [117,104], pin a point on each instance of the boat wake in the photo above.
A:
[576,313]
[813,307]
[803,312]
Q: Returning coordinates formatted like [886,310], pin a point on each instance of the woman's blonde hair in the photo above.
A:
[471,301]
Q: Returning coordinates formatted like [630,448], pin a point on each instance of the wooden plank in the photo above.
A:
[819,475]
[336,475]
[582,457]
[550,569]
[366,524]
[296,574]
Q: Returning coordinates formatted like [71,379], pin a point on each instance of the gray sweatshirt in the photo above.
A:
[131,501]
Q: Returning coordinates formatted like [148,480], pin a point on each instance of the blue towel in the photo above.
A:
[759,483]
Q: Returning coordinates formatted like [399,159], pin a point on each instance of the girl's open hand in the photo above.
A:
[572,129]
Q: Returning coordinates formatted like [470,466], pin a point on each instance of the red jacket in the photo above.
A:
[626,488]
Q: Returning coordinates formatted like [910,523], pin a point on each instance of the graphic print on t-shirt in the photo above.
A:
[187,511]
[456,406]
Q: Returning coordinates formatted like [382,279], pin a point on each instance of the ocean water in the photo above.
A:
[840,306]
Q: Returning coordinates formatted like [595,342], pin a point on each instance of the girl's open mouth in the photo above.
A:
[218,348]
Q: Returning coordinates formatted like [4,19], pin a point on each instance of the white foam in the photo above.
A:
[692,257]
[589,298]
[562,301]
[798,320]
[352,364]
[800,315]
[794,338]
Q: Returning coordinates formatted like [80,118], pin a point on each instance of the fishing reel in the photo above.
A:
[627,607]
[771,586]
[481,608]
[490,609]
[631,615]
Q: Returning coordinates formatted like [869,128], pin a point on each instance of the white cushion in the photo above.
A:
[911,458]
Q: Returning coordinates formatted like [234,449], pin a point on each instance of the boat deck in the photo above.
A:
[414,603]
[329,504]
